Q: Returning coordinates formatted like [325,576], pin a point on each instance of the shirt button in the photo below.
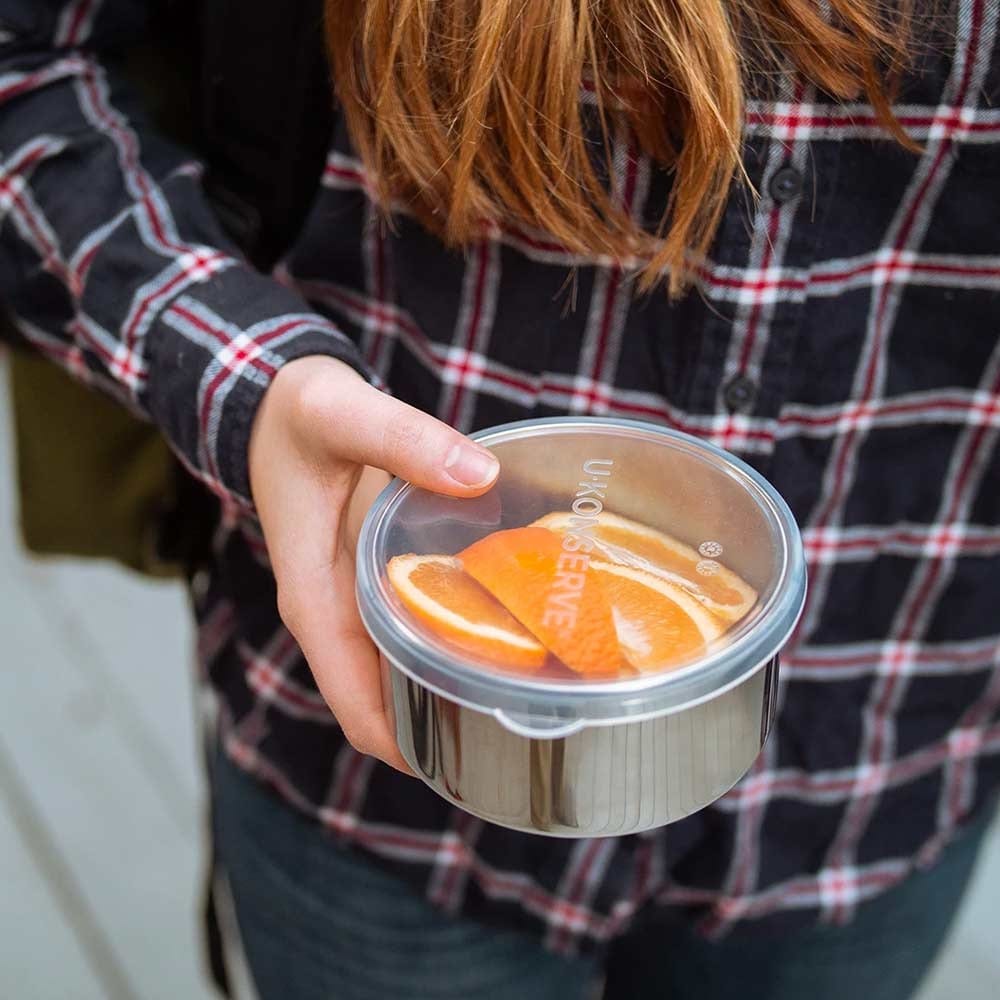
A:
[739,394]
[785,185]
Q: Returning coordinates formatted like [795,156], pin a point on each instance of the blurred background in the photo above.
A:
[101,810]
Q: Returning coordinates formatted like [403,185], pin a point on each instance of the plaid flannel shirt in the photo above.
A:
[844,338]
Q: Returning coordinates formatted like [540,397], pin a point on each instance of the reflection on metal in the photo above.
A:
[601,781]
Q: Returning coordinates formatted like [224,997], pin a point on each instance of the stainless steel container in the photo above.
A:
[582,756]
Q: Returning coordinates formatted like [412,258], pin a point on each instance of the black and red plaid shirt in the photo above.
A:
[844,338]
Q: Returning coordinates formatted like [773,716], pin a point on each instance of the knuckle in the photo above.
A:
[289,608]
[359,739]
[312,399]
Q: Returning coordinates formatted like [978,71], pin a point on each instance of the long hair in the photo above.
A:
[469,112]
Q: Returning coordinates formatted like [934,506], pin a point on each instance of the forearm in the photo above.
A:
[111,260]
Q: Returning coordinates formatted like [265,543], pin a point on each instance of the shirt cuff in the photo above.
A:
[212,354]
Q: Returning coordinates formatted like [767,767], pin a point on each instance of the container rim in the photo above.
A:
[542,704]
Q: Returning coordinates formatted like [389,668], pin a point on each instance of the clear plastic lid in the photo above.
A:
[616,570]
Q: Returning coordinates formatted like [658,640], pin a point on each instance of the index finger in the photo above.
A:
[314,569]
[345,662]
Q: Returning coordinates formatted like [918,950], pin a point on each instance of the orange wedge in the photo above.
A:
[659,624]
[551,593]
[627,543]
[438,592]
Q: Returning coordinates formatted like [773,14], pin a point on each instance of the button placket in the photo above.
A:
[712,388]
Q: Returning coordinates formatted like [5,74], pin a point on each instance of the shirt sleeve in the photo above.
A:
[111,260]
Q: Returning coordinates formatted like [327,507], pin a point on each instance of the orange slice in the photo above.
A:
[438,592]
[658,623]
[627,543]
[551,593]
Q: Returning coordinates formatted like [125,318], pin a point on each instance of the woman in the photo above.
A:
[769,223]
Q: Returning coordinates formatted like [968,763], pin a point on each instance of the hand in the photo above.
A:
[320,439]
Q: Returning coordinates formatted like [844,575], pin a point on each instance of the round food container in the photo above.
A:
[591,647]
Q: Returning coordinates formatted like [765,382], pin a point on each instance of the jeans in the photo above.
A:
[320,922]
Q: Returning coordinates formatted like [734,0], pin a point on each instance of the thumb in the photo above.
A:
[394,436]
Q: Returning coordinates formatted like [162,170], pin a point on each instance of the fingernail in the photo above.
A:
[471,466]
